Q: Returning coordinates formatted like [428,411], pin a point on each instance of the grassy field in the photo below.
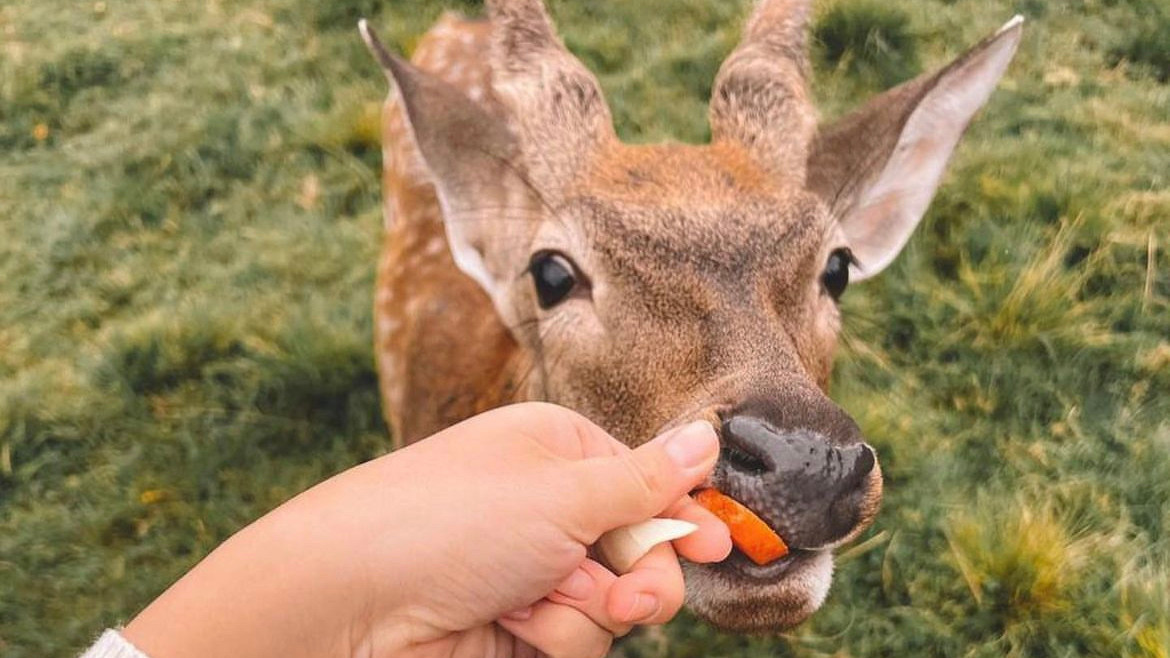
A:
[189,220]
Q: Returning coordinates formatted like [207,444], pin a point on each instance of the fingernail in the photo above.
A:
[643,607]
[578,586]
[519,615]
[690,445]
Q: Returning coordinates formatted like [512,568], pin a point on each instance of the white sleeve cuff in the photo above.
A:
[112,645]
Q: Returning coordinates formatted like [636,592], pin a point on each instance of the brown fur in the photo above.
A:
[422,296]
[760,98]
[701,263]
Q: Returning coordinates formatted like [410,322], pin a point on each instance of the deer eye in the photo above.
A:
[836,275]
[554,276]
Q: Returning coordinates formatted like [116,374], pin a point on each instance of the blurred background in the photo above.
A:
[189,221]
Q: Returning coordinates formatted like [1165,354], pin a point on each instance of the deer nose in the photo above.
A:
[815,481]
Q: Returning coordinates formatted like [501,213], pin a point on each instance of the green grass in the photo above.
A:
[189,211]
[1148,48]
[870,42]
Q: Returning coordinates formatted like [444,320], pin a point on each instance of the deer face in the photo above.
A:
[654,285]
[679,282]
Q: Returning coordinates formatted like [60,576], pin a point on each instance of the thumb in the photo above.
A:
[634,485]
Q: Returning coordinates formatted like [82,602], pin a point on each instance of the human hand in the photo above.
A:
[471,542]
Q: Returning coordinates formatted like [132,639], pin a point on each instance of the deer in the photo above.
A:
[530,255]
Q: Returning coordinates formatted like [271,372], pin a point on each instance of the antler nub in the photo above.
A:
[556,104]
[522,32]
[760,98]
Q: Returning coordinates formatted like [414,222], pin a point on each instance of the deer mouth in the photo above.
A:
[740,566]
[737,594]
[740,596]
[737,564]
[817,486]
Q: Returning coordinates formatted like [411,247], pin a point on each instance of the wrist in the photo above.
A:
[294,583]
[248,598]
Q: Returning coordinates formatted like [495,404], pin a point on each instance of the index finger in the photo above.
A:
[710,543]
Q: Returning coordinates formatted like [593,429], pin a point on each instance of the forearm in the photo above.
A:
[452,545]
[283,586]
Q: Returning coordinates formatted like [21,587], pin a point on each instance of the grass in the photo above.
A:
[190,222]
[1148,48]
[871,42]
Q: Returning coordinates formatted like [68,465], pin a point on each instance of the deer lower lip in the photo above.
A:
[741,567]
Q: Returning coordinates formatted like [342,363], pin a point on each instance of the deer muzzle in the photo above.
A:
[806,473]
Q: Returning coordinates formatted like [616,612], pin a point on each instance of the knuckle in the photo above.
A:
[609,623]
[593,643]
[672,598]
[598,647]
[603,647]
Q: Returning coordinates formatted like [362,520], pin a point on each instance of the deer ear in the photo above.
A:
[475,165]
[878,168]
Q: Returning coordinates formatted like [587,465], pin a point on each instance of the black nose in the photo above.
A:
[805,471]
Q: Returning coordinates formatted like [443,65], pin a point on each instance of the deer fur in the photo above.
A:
[701,265]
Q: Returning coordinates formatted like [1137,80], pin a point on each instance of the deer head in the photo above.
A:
[652,285]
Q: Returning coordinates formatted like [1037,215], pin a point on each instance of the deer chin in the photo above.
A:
[740,596]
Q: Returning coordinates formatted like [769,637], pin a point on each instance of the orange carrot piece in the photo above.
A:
[749,533]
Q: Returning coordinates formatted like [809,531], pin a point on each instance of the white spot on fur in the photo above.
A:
[414,306]
[387,326]
[819,578]
[759,606]
[435,247]
[388,217]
